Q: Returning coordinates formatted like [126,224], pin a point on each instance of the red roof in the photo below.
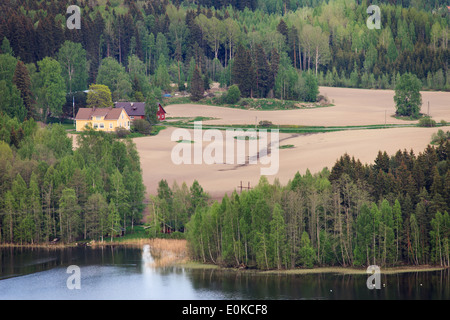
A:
[161,108]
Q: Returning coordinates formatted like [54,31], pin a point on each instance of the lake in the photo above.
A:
[127,273]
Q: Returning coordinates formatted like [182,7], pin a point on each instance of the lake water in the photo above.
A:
[126,273]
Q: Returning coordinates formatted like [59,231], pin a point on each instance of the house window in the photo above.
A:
[102,126]
[110,125]
[122,115]
[128,124]
[98,118]
[95,125]
[131,117]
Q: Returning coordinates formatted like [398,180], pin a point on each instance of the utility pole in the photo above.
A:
[73,110]
[242,187]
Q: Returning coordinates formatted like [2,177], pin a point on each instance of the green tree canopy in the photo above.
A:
[408,99]
[112,74]
[52,92]
[72,58]
[99,96]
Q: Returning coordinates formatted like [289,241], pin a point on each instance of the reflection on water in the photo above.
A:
[147,259]
[130,273]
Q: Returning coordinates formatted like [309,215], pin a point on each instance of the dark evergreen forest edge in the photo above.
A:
[393,212]
[390,213]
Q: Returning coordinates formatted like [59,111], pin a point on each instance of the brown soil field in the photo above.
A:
[313,151]
[351,107]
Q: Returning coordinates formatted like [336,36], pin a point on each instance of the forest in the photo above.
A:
[50,191]
[392,212]
[270,48]
[395,211]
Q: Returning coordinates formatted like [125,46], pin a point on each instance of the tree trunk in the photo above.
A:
[317,59]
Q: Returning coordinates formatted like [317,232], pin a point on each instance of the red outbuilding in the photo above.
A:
[161,112]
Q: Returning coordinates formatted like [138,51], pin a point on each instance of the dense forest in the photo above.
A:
[269,48]
[392,212]
[48,190]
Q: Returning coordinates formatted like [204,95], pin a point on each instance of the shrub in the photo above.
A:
[121,132]
[233,95]
[440,137]
[142,126]
[265,123]
[427,122]
[243,103]
[311,89]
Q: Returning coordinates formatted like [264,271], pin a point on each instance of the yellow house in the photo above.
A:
[103,119]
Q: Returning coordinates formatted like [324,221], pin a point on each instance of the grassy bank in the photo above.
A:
[294,129]
[250,103]
[349,270]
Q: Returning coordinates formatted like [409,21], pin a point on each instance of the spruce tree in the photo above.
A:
[243,71]
[197,88]
[22,81]
[262,72]
[283,29]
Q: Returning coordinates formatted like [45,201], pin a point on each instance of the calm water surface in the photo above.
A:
[126,273]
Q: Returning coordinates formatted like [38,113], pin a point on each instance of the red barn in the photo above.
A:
[161,112]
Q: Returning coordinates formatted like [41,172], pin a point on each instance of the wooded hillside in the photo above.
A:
[136,46]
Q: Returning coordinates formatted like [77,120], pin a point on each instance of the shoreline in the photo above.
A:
[317,270]
[172,252]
